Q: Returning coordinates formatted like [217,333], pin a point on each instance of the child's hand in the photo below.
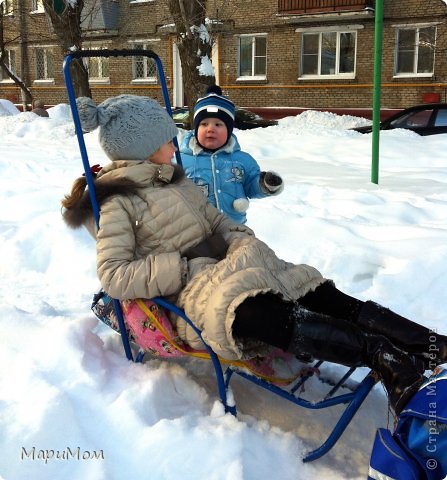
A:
[271,179]
[272,182]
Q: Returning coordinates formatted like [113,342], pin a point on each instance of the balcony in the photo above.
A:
[323,6]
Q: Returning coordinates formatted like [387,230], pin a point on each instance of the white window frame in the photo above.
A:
[102,61]
[37,6]
[414,73]
[352,29]
[47,49]
[251,77]
[144,45]
[11,62]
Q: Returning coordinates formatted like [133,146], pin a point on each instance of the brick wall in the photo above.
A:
[146,21]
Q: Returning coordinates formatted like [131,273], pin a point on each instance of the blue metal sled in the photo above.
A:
[352,400]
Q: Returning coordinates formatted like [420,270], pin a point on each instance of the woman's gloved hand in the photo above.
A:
[213,247]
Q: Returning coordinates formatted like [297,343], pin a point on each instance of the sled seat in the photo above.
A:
[252,371]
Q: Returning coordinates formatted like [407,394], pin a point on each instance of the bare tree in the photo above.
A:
[65,18]
[4,64]
[195,45]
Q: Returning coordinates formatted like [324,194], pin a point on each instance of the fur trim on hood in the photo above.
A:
[78,215]
[81,213]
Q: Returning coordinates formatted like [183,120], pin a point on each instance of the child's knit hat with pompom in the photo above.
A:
[214,105]
[131,127]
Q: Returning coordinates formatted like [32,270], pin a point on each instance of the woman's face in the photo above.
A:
[212,133]
[164,154]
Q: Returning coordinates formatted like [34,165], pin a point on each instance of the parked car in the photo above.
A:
[426,119]
[244,119]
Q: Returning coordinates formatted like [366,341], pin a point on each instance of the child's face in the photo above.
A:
[164,154]
[212,133]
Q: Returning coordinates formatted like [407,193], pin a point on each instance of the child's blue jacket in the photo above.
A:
[228,177]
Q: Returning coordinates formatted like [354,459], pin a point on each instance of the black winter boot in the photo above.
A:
[407,335]
[338,341]
[265,317]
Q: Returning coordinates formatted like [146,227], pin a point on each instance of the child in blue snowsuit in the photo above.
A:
[213,159]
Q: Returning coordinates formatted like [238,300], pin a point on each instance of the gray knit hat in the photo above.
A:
[130,127]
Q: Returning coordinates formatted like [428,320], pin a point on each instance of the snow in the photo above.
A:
[72,406]
[206,68]
[7,108]
[201,31]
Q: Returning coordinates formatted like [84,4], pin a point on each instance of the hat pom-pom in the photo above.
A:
[88,113]
[213,89]
[241,205]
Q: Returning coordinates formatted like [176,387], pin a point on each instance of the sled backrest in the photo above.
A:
[78,56]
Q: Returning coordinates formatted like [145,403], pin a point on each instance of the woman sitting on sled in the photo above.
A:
[158,236]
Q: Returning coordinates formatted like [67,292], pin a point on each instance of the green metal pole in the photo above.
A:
[377,89]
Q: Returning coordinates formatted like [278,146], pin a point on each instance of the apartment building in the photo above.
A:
[267,53]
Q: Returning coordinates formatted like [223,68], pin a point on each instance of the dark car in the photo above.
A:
[426,119]
[244,119]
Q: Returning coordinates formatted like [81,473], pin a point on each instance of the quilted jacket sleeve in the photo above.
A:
[120,274]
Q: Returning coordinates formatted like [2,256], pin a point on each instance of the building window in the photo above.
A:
[97,67]
[253,57]
[144,69]
[7,7]
[10,62]
[44,64]
[328,54]
[37,6]
[415,51]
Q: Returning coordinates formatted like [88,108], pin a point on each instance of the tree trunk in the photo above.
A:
[26,91]
[79,78]
[66,22]
[19,82]
[194,84]
[194,45]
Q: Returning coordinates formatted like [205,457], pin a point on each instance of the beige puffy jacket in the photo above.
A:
[140,245]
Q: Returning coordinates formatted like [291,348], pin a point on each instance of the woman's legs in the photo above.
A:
[327,299]
[372,317]
[293,328]
[265,317]
[336,340]
[408,335]
[258,316]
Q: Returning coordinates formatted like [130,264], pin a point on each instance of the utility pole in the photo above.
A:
[377,90]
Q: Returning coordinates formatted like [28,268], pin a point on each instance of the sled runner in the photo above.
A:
[144,322]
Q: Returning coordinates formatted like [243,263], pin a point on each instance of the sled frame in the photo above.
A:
[353,400]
